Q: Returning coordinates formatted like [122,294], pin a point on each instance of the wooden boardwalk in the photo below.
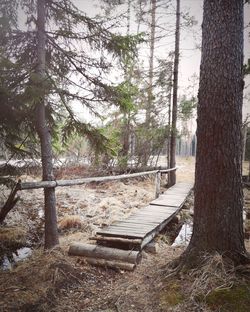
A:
[141,227]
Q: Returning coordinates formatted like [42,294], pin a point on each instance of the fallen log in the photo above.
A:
[101,252]
[118,265]
[10,203]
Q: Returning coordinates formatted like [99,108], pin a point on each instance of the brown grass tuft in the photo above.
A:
[12,238]
[69,222]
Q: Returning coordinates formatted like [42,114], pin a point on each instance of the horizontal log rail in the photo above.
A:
[56,183]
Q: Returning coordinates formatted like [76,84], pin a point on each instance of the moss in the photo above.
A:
[171,296]
[235,299]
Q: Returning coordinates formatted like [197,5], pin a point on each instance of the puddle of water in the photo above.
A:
[6,264]
[20,254]
[184,235]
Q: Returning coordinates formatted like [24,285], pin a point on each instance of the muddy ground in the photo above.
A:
[53,281]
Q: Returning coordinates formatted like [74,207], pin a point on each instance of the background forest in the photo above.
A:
[116,69]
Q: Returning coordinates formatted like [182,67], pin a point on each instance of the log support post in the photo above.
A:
[157,184]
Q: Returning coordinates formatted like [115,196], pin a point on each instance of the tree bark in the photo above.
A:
[43,131]
[172,176]
[218,197]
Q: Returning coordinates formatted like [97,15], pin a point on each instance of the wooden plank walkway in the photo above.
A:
[146,223]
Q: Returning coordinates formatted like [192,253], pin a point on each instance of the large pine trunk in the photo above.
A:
[172,162]
[51,234]
[218,199]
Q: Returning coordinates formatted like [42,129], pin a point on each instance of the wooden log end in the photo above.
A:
[152,248]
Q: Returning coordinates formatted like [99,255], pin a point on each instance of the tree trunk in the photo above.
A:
[51,234]
[147,147]
[218,197]
[172,177]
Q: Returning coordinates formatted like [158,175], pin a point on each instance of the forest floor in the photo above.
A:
[54,281]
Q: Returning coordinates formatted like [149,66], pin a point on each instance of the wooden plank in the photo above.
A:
[119,234]
[156,208]
[144,218]
[139,222]
[181,188]
[177,192]
[133,229]
[122,229]
[152,214]
[172,203]
[174,195]
[171,197]
[153,208]
[157,219]
[164,200]
[154,218]
[132,224]
[128,232]
[148,218]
